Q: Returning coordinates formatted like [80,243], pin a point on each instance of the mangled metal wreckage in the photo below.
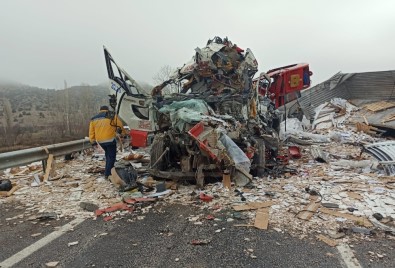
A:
[216,121]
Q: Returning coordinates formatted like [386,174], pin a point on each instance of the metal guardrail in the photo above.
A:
[27,156]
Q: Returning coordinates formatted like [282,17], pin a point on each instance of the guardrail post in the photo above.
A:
[44,164]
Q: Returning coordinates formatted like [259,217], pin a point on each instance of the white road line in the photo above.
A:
[349,260]
[14,259]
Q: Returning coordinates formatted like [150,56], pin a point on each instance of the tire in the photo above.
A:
[5,185]
[157,149]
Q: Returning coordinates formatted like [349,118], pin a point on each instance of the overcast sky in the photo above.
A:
[44,42]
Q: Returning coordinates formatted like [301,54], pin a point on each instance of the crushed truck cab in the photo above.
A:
[216,122]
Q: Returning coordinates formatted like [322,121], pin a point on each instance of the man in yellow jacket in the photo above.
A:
[103,130]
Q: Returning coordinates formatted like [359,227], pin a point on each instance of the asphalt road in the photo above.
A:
[163,239]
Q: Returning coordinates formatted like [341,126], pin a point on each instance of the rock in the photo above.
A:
[378,216]
[89,206]
[361,230]
[336,235]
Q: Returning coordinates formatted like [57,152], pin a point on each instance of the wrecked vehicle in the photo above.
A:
[286,83]
[216,122]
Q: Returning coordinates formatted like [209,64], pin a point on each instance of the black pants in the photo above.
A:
[110,152]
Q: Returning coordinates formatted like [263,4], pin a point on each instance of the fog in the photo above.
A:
[44,42]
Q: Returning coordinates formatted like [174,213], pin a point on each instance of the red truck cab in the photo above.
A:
[286,83]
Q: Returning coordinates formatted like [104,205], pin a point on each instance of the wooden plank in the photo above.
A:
[10,192]
[355,195]
[262,219]
[226,179]
[327,240]
[13,190]
[243,225]
[309,211]
[253,205]
[364,221]
[379,106]
[89,187]
[389,119]
[50,167]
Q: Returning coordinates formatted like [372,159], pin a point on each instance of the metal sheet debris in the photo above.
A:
[385,153]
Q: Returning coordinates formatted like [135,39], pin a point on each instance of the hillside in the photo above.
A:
[31,116]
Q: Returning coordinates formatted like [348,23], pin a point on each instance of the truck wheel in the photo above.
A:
[157,149]
[261,158]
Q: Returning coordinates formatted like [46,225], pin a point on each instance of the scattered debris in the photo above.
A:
[294,151]
[76,195]
[347,194]
[318,154]
[72,243]
[253,205]
[46,216]
[200,242]
[360,230]
[5,186]
[359,220]
[336,234]
[330,205]
[115,207]
[205,198]
[368,129]
[108,218]
[309,211]
[378,216]
[52,264]
[327,240]
[89,206]
[379,106]
[36,181]
[383,226]
[385,153]
[226,179]
[133,156]
[36,234]
[262,218]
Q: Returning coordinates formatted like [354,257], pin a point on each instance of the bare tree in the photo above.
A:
[14,133]
[3,137]
[163,75]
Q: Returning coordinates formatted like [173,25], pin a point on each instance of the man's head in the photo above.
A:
[104,108]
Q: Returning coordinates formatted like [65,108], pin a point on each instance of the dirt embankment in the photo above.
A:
[31,116]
